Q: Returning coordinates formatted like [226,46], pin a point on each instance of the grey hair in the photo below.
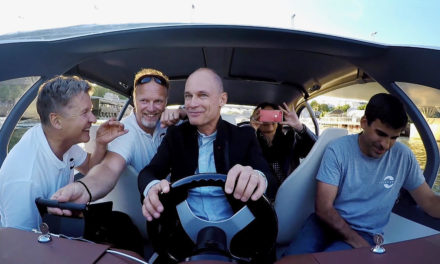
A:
[56,93]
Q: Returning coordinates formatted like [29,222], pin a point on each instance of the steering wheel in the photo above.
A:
[250,233]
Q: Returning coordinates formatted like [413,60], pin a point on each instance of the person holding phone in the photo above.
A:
[281,150]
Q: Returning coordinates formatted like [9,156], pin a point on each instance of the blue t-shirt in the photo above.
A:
[368,187]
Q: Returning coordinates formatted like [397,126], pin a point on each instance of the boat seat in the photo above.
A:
[125,195]
[126,198]
[400,229]
[295,199]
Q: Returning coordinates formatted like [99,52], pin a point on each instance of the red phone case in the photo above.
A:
[271,116]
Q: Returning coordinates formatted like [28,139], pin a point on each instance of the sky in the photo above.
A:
[410,22]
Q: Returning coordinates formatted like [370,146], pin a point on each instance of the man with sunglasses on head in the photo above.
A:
[146,125]
[206,144]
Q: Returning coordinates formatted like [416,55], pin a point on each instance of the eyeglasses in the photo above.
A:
[158,80]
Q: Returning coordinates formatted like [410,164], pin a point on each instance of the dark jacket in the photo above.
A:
[179,152]
[286,149]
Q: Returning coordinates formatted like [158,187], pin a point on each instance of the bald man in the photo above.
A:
[206,144]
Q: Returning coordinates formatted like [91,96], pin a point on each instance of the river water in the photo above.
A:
[416,145]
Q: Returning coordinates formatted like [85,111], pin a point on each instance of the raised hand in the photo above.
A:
[170,117]
[291,118]
[109,130]
[254,119]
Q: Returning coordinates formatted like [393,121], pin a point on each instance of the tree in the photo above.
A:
[325,108]
[11,92]
[314,105]
[344,108]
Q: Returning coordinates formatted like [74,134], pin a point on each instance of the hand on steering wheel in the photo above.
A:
[255,238]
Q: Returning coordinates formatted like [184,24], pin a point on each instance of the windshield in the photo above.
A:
[396,22]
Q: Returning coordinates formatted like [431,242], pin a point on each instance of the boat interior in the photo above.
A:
[256,64]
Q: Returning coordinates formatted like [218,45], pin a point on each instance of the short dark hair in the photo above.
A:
[388,109]
[265,104]
[57,93]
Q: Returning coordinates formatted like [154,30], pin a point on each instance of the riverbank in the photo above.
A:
[434,124]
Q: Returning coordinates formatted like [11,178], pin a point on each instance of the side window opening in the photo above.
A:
[105,104]
[345,106]
[427,100]
[10,92]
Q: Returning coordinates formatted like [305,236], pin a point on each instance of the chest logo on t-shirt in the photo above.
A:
[388,182]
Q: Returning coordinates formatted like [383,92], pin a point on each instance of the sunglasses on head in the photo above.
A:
[158,80]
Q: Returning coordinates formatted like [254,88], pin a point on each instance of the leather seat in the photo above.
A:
[126,198]
[295,199]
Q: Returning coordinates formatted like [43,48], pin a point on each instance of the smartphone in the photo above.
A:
[273,116]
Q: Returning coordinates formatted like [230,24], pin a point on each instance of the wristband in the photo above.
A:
[87,189]
[303,130]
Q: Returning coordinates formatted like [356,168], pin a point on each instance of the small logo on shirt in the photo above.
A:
[72,163]
[388,182]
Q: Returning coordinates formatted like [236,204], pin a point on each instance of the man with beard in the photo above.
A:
[146,125]
[146,128]
[46,156]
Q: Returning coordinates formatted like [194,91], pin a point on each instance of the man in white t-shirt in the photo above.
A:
[44,159]
[147,126]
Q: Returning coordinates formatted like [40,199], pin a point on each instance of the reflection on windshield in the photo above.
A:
[415,23]
[68,32]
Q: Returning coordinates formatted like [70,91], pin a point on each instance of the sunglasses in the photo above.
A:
[156,79]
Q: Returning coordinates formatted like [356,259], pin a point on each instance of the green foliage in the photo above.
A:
[11,92]
[99,91]
[320,107]
[344,108]
[362,107]
[314,105]
[16,136]
[323,109]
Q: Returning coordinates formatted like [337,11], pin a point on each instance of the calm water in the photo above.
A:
[416,145]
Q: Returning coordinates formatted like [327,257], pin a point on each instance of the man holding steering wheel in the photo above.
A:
[206,144]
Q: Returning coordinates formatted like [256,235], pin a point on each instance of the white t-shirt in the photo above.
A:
[137,147]
[29,171]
